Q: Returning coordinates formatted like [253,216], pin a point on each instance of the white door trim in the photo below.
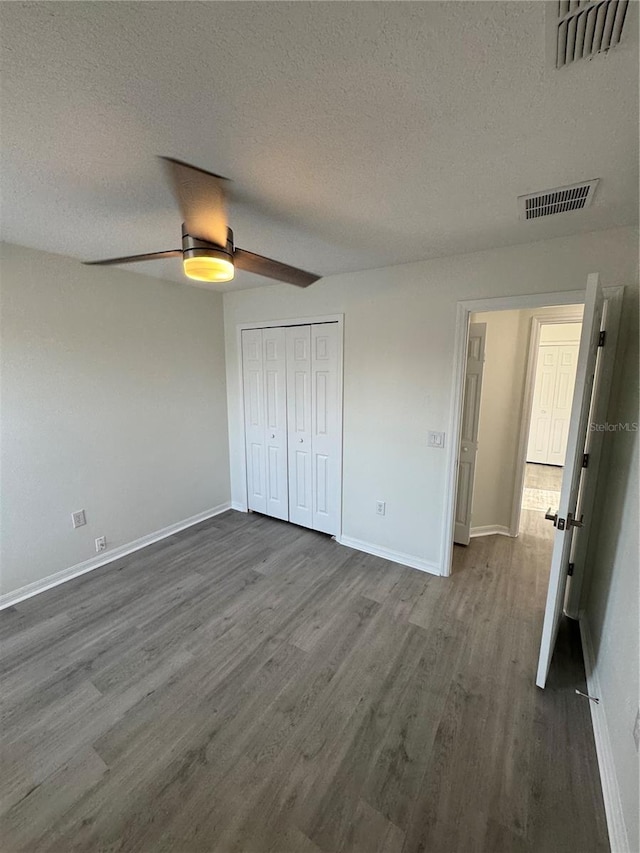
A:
[537,321]
[242,504]
[464,310]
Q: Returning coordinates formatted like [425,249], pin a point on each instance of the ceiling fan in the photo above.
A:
[208,252]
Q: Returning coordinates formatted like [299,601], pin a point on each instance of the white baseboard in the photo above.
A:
[395,556]
[11,598]
[239,507]
[618,838]
[490,530]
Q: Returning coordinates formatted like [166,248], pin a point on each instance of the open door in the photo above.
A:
[469,431]
[564,520]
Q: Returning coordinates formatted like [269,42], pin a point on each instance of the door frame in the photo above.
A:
[243,504]
[537,321]
[464,309]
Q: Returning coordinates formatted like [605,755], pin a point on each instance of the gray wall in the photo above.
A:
[399,334]
[113,401]
[611,599]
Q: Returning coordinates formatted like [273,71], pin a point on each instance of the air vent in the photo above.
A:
[585,28]
[559,200]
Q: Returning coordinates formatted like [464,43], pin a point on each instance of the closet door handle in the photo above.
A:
[273,435]
[301,440]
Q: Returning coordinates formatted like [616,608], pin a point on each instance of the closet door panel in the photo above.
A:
[274,361]
[254,419]
[325,417]
[298,340]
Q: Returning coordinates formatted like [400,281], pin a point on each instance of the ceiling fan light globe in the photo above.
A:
[208,268]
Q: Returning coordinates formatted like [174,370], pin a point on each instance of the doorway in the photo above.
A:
[593,379]
[518,390]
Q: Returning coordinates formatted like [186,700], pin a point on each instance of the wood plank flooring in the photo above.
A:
[250,686]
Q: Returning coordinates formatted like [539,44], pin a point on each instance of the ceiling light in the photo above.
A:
[209,267]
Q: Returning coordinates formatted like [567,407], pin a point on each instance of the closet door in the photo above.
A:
[325,424]
[299,424]
[253,381]
[274,360]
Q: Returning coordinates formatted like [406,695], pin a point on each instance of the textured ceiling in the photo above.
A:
[356,134]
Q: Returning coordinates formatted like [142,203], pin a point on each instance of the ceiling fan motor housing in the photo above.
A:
[192,247]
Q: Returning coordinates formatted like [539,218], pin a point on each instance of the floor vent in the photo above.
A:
[559,200]
[587,27]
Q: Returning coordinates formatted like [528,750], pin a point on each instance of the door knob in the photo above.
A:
[465,449]
[273,435]
[574,522]
[551,516]
[301,440]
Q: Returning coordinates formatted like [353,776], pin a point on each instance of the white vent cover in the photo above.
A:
[587,27]
[559,200]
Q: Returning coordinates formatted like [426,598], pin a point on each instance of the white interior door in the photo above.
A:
[469,431]
[552,399]
[253,382]
[274,360]
[326,427]
[566,515]
[298,339]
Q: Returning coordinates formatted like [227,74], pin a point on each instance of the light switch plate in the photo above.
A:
[78,518]
[436,439]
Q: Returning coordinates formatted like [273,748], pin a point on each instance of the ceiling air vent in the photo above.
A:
[587,27]
[559,200]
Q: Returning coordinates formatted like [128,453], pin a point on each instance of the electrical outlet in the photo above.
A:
[78,518]
[101,544]
[436,439]
[381,507]
[636,731]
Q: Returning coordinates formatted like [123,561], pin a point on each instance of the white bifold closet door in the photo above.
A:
[325,427]
[299,425]
[265,400]
[292,421]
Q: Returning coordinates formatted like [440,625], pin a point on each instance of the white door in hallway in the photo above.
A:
[469,431]
[552,398]
[565,519]
[299,424]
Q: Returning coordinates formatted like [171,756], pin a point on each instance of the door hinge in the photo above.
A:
[602,338]
[570,569]
[585,460]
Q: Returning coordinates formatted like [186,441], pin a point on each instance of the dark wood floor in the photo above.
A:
[251,686]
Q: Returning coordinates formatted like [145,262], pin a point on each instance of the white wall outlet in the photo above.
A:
[101,544]
[381,507]
[78,518]
[436,439]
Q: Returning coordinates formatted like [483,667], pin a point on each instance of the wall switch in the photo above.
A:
[436,439]
[101,544]
[78,518]
[380,507]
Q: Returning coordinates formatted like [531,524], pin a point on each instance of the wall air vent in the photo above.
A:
[559,200]
[585,28]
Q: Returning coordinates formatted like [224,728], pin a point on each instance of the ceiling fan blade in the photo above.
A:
[260,265]
[202,200]
[131,259]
